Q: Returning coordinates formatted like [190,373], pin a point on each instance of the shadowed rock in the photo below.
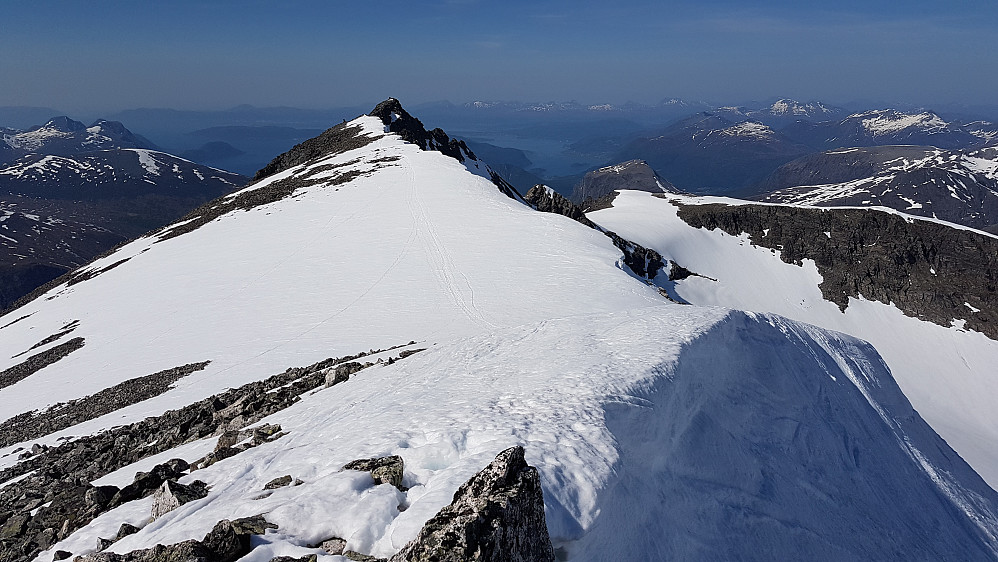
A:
[497,516]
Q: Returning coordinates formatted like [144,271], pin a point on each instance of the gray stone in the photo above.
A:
[103,543]
[384,470]
[334,545]
[342,372]
[496,516]
[227,439]
[61,555]
[14,526]
[125,530]
[172,495]
[278,482]
[358,557]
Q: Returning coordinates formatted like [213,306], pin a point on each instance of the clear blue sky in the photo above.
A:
[106,56]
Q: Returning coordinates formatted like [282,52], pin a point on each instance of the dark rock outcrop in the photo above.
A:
[61,474]
[226,542]
[497,516]
[399,121]
[278,482]
[644,262]
[341,373]
[38,361]
[336,139]
[928,270]
[34,424]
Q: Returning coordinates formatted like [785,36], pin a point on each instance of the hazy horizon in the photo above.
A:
[91,58]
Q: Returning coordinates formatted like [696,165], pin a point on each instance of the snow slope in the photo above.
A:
[651,444]
[413,249]
[659,430]
[947,373]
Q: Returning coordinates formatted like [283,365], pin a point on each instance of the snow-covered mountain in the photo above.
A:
[657,430]
[713,152]
[886,127]
[63,136]
[109,174]
[785,111]
[956,186]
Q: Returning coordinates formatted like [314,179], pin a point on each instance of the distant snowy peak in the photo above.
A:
[63,136]
[891,121]
[956,186]
[794,108]
[749,129]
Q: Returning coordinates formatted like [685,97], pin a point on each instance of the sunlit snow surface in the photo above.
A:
[418,249]
[660,431]
[948,374]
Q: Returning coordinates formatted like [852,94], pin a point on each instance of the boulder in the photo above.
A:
[172,495]
[125,530]
[496,516]
[278,483]
[334,545]
[384,470]
[342,372]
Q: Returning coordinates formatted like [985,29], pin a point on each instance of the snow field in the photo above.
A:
[418,249]
[947,373]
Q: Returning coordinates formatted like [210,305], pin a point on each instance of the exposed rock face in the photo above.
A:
[38,361]
[226,542]
[633,174]
[339,138]
[61,474]
[31,425]
[384,470]
[279,482]
[399,121]
[172,495]
[341,373]
[497,516]
[929,271]
[644,262]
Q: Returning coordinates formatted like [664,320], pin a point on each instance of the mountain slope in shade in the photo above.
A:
[84,204]
[633,174]
[711,152]
[945,370]
[658,430]
[956,186]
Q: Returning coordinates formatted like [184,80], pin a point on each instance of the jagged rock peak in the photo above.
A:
[398,120]
[547,200]
[496,516]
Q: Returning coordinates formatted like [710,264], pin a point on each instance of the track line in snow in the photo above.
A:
[441,260]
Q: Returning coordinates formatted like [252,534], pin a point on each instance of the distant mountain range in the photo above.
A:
[70,192]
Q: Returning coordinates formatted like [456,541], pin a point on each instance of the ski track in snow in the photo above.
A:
[439,255]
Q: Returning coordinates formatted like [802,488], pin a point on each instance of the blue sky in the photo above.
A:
[106,56]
